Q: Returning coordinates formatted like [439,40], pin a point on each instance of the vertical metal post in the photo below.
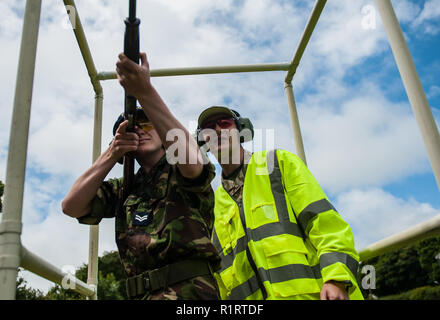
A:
[92,278]
[307,34]
[295,122]
[92,271]
[413,86]
[92,274]
[10,228]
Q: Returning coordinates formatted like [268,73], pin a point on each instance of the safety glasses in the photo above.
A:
[223,123]
[145,125]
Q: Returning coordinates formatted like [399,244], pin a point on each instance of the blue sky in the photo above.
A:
[425,49]
[361,140]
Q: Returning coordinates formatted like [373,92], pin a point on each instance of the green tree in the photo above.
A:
[24,292]
[111,277]
[110,267]
[406,268]
[109,288]
[59,293]
[428,249]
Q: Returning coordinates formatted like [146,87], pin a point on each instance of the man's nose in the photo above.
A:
[139,130]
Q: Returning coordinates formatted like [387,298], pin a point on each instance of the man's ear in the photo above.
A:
[246,129]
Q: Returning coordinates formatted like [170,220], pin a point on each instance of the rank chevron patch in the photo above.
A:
[139,218]
[142,218]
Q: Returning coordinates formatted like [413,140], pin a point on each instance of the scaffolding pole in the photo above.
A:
[10,228]
[310,26]
[295,123]
[41,267]
[413,86]
[92,278]
[167,72]
[92,273]
[424,230]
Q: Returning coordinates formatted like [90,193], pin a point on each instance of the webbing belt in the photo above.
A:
[156,279]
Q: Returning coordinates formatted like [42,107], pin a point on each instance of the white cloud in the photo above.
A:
[340,40]
[406,11]
[433,91]
[431,10]
[427,20]
[62,145]
[364,141]
[374,214]
[11,19]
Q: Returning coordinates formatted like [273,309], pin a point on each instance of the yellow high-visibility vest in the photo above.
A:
[284,239]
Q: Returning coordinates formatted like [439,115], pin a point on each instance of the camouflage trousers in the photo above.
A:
[198,288]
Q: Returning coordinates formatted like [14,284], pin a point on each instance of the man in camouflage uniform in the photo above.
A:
[164,226]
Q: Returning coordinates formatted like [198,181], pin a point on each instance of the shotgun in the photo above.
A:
[131,50]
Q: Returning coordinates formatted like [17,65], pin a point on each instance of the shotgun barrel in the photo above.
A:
[131,50]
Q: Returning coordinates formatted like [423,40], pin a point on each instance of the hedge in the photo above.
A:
[421,293]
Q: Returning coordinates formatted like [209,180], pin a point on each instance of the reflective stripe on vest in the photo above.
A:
[312,210]
[292,271]
[266,230]
[283,226]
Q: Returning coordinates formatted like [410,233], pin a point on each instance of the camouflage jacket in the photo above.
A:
[233,184]
[166,218]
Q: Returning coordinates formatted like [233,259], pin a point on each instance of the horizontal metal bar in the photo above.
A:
[419,232]
[37,265]
[166,72]
[83,45]
[310,26]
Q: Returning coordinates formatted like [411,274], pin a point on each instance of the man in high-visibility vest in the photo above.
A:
[277,233]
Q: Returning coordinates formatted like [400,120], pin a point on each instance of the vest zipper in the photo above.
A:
[248,251]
